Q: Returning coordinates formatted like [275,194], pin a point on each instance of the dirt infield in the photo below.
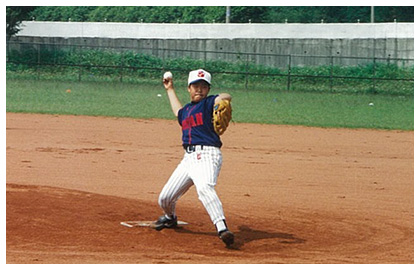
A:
[290,194]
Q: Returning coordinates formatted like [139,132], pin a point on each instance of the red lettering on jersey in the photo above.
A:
[199,119]
[185,124]
[190,122]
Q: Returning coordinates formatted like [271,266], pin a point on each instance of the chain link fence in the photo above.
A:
[257,71]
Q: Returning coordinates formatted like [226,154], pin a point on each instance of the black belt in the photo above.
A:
[190,148]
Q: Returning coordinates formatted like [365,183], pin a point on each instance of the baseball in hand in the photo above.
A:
[167,75]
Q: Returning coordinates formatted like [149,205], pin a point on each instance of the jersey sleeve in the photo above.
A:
[210,103]
[180,116]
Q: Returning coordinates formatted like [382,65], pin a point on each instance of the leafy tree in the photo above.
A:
[14,17]
[338,14]
[48,14]
[388,14]
[239,14]
[78,14]
[216,14]
[99,14]
[244,14]
[295,14]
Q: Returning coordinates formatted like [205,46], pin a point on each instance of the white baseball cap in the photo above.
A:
[197,75]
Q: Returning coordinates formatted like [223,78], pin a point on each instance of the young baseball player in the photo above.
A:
[202,159]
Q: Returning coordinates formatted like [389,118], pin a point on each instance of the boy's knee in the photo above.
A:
[205,191]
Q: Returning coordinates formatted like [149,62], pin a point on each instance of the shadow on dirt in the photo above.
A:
[247,234]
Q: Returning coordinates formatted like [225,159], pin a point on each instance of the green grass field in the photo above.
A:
[256,106]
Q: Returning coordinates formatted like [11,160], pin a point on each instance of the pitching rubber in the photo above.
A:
[145,223]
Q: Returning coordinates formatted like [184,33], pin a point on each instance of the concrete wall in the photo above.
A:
[266,44]
[217,31]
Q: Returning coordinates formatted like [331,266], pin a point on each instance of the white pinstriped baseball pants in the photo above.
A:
[200,168]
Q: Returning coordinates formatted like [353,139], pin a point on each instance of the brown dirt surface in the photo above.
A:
[291,194]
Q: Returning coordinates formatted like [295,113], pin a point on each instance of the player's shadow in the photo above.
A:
[247,234]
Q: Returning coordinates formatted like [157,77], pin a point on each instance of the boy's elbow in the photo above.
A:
[226,96]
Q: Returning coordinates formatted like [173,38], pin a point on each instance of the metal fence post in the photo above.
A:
[39,62]
[163,60]
[289,71]
[7,51]
[374,75]
[374,66]
[331,72]
[80,67]
[121,66]
[246,75]
[205,57]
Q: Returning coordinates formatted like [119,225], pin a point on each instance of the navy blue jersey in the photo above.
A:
[196,122]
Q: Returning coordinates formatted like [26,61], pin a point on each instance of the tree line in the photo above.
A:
[206,14]
[217,14]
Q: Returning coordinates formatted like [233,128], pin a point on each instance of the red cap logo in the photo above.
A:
[200,74]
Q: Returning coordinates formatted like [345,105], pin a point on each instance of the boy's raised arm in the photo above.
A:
[173,99]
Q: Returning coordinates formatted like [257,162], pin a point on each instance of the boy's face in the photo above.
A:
[198,91]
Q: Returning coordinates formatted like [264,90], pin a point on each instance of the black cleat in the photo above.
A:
[165,222]
[227,237]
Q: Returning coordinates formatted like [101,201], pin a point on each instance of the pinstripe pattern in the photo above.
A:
[200,168]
